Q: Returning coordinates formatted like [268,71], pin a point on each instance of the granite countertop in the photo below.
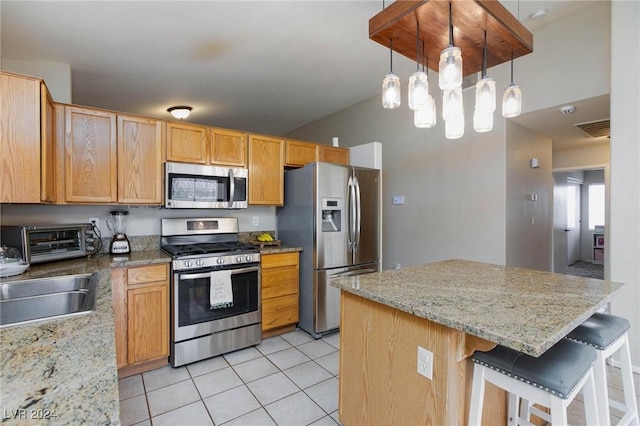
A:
[523,309]
[282,248]
[64,371]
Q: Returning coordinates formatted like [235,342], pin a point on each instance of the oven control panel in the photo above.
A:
[205,261]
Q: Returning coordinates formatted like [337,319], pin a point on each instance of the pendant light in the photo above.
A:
[512,98]
[418,81]
[450,67]
[453,113]
[425,117]
[391,85]
[485,97]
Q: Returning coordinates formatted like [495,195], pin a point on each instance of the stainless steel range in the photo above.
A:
[215,288]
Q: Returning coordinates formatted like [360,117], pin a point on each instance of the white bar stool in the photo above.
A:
[610,334]
[552,380]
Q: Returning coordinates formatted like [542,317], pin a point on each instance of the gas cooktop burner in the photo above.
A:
[231,247]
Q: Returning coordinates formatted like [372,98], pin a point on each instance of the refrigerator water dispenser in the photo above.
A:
[331,214]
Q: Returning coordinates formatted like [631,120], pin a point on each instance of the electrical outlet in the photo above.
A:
[398,266]
[256,221]
[398,199]
[425,363]
[95,221]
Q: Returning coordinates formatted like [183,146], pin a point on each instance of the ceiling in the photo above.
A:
[260,66]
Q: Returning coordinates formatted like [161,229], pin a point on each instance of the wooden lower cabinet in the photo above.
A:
[280,292]
[141,314]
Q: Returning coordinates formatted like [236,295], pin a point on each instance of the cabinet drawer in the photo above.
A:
[279,259]
[148,274]
[279,311]
[279,282]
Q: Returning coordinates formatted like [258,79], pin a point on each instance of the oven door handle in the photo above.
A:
[208,274]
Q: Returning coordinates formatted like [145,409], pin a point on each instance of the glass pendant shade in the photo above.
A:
[418,90]
[425,118]
[450,68]
[452,103]
[512,101]
[486,95]
[454,127]
[391,91]
[482,121]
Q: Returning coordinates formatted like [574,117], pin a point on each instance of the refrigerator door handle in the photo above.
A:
[358,214]
[353,273]
[351,214]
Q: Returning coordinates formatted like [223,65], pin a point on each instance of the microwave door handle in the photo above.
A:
[232,188]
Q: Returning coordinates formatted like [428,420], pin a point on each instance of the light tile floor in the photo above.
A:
[290,379]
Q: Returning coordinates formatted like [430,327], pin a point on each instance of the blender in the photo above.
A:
[117,223]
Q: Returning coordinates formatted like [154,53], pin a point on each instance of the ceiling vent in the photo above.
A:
[596,129]
[470,80]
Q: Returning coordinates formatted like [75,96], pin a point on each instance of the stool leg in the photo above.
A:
[559,412]
[600,378]
[627,381]
[591,408]
[477,396]
[512,416]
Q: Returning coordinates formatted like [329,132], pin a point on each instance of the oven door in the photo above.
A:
[210,187]
[193,316]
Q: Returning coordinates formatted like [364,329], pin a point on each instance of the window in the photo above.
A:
[596,205]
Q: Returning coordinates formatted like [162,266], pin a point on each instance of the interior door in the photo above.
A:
[559,223]
[573,221]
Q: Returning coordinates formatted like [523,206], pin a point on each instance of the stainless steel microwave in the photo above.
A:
[196,186]
[45,243]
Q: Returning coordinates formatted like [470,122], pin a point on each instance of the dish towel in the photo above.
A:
[221,292]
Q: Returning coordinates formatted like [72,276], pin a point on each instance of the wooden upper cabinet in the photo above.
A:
[20,139]
[90,156]
[140,171]
[228,147]
[299,153]
[187,143]
[49,177]
[266,170]
[331,154]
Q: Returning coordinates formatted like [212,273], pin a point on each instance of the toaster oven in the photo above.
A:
[45,243]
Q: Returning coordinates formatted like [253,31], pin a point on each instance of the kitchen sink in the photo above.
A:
[41,299]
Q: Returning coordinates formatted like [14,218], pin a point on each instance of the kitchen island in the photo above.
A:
[449,308]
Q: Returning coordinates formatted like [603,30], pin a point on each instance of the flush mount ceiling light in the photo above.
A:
[180,112]
[507,39]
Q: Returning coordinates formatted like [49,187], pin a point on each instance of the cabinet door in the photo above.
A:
[19,139]
[187,143]
[148,322]
[119,299]
[140,171]
[266,170]
[280,274]
[47,135]
[279,312]
[298,153]
[228,147]
[330,154]
[90,156]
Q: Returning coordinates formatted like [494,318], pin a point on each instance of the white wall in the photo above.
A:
[624,235]
[583,157]
[529,226]
[56,75]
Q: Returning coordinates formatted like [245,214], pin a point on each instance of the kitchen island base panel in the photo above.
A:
[379,382]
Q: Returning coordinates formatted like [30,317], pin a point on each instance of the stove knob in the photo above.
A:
[199,262]
[239,259]
[249,258]
[220,261]
[188,263]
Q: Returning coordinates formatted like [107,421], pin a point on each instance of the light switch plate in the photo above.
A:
[398,199]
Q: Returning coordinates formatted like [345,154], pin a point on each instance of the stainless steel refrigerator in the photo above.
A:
[333,212]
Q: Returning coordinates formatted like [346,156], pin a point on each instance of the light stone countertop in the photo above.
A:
[282,248]
[67,367]
[522,309]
